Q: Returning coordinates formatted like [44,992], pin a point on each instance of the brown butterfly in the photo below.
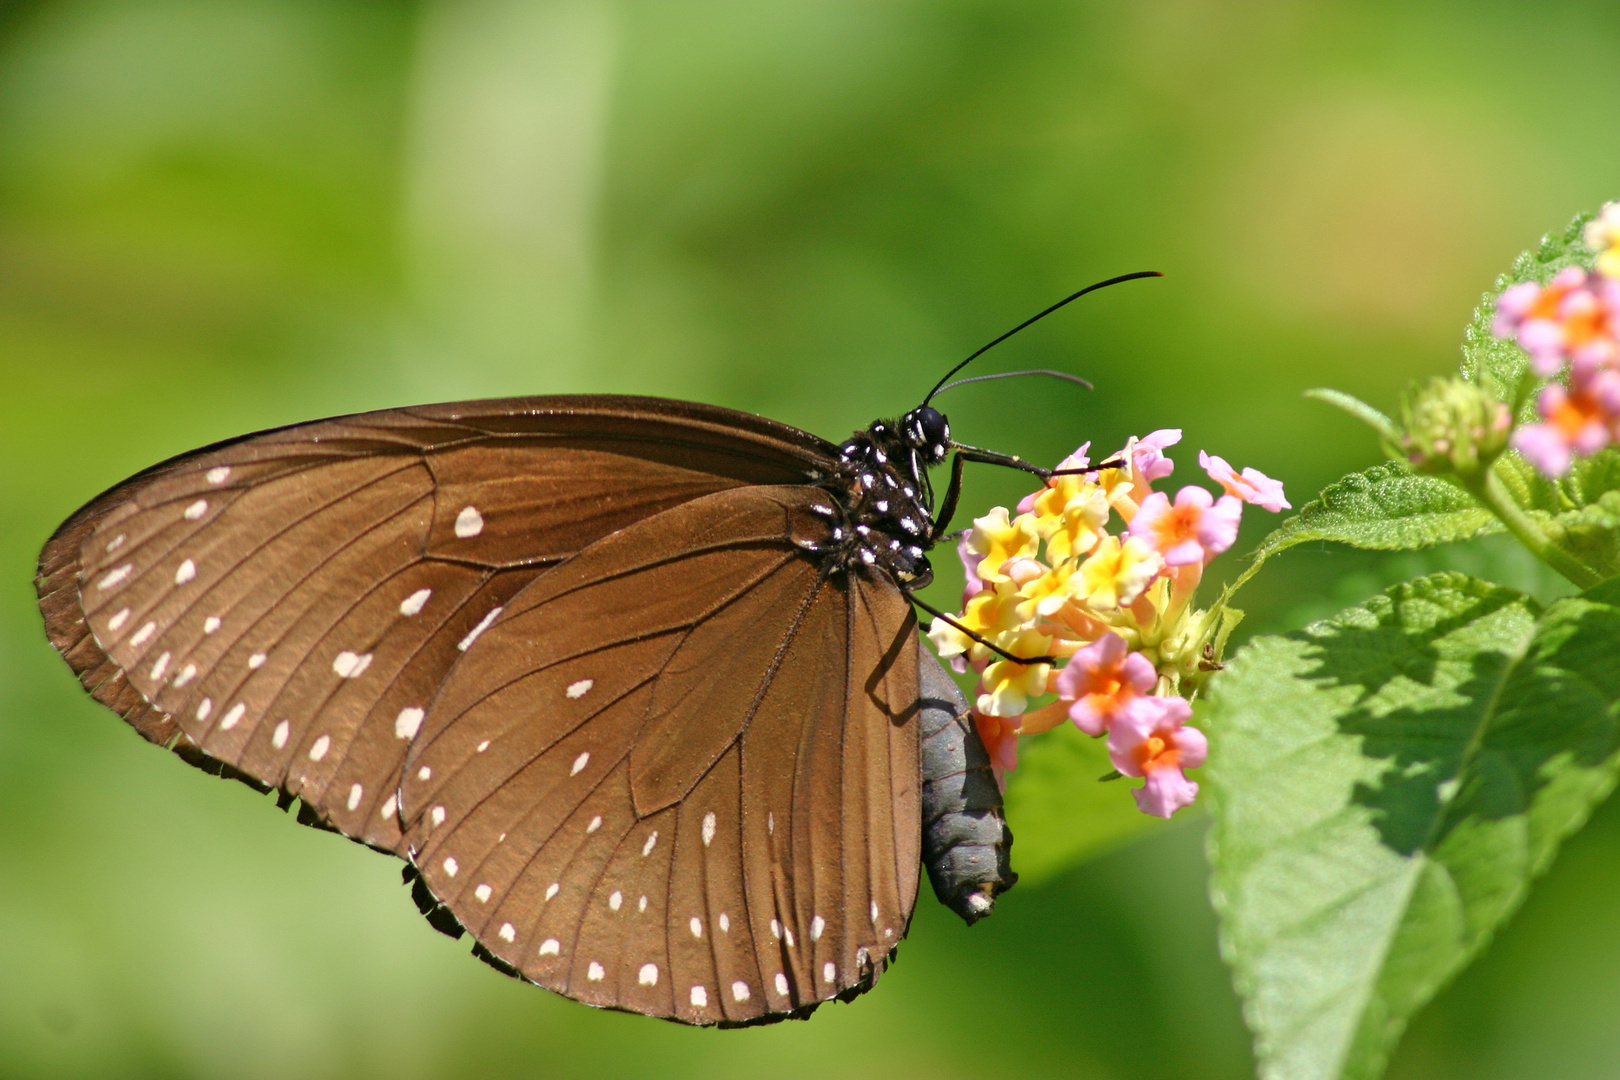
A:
[633,685]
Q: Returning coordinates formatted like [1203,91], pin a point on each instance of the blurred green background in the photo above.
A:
[217,217]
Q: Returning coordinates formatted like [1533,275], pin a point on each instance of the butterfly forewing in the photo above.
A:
[286,605]
[662,829]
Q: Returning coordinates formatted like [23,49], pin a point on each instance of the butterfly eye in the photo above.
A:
[926,428]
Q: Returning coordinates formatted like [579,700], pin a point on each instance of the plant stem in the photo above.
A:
[1485,487]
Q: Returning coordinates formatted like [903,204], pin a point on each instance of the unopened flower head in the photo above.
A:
[1453,426]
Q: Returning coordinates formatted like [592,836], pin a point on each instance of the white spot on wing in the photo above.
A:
[770,822]
[725,923]
[739,991]
[388,808]
[578,689]
[874,913]
[116,623]
[508,932]
[483,892]
[408,722]
[186,572]
[210,624]
[319,749]
[482,746]
[616,901]
[828,972]
[776,930]
[437,816]
[652,841]
[354,796]
[648,975]
[115,576]
[219,474]
[413,604]
[140,637]
[641,905]
[450,866]
[551,890]
[596,823]
[469,522]
[594,972]
[817,925]
[278,738]
[256,661]
[697,926]
[424,773]
[708,828]
[472,635]
[580,762]
[787,935]
[700,997]
[205,707]
[115,543]
[350,665]
[196,509]
[232,715]
[781,983]
[160,667]
[187,673]
[550,947]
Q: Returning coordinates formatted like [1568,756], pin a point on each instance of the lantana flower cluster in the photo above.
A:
[1571,327]
[1113,609]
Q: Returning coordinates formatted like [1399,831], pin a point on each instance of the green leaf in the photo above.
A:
[1385,508]
[1386,428]
[1500,365]
[1060,814]
[1592,533]
[1385,785]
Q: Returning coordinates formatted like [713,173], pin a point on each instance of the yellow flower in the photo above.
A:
[998,541]
[1603,237]
[990,613]
[1045,595]
[1117,573]
[1079,527]
[1006,685]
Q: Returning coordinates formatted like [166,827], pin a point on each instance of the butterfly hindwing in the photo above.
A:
[669,777]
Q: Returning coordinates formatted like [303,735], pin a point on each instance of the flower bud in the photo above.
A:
[1453,426]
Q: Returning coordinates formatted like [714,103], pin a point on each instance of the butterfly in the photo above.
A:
[632,685]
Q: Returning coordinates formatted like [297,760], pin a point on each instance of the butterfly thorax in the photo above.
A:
[886,501]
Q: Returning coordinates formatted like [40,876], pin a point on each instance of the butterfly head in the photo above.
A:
[927,432]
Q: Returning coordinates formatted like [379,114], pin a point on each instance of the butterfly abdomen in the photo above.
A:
[965,842]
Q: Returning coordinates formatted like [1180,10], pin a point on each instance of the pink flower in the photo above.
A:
[1581,422]
[1147,454]
[1000,737]
[1193,530]
[1154,743]
[1253,486]
[1104,680]
[1576,316]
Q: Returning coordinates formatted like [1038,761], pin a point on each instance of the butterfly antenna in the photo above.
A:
[1032,320]
[1064,375]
